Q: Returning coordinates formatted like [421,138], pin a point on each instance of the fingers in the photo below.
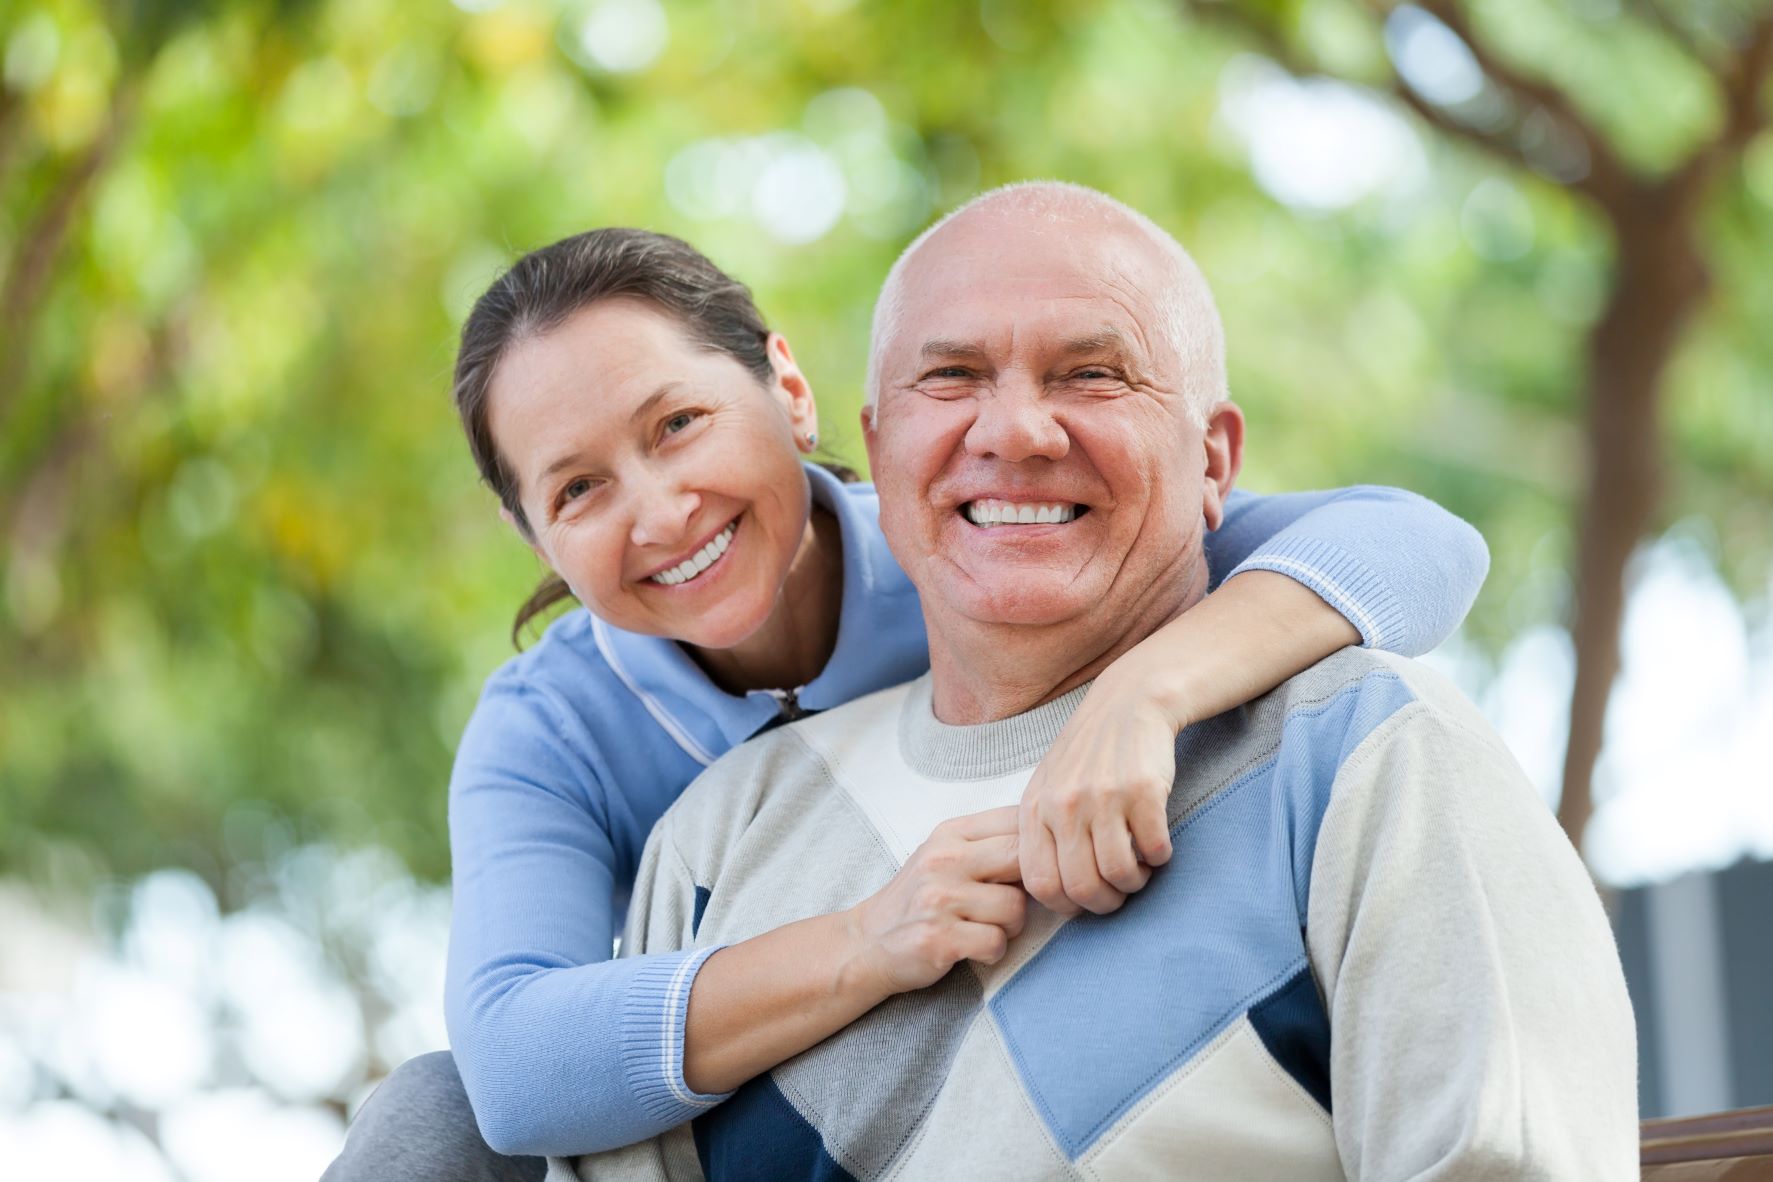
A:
[1116,861]
[1040,865]
[1151,831]
[993,859]
[1078,871]
[996,822]
[983,942]
[1005,907]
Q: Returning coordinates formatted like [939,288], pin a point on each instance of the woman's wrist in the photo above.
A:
[1153,680]
[856,977]
[766,999]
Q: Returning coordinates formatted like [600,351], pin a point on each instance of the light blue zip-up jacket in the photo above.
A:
[580,744]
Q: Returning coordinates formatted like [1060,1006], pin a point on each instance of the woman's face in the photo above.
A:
[659,478]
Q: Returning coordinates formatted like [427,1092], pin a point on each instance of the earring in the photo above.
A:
[812,440]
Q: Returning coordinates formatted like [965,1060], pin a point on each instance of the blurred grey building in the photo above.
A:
[1698,953]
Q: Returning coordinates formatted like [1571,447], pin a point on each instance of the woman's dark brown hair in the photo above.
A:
[546,286]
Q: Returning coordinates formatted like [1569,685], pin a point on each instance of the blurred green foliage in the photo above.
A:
[250,579]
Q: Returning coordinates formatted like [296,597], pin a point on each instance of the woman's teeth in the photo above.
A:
[1019,513]
[698,562]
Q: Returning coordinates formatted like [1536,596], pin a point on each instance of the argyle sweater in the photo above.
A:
[1373,954]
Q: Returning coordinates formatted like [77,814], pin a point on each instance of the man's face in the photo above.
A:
[1028,376]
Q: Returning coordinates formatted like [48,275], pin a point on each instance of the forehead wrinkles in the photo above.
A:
[1107,320]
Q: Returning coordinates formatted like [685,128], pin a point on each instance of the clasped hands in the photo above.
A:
[1091,826]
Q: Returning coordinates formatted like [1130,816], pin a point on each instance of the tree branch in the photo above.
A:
[33,265]
[1273,45]
[1498,144]
[1652,13]
[11,129]
[1608,181]
[1743,77]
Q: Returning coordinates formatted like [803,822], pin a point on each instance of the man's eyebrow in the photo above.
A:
[944,347]
[1103,340]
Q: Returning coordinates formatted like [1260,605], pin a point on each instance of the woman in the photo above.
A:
[644,433]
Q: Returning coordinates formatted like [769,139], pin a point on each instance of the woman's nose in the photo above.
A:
[662,512]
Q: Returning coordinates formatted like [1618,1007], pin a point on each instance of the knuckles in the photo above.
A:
[948,832]
[938,859]
[929,943]
[1045,887]
[1078,800]
[1101,902]
[933,898]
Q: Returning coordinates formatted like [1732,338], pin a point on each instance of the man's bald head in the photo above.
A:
[1187,314]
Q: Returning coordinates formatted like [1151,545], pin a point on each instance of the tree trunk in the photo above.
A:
[1659,284]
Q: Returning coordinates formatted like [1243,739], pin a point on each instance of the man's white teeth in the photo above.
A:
[700,561]
[1019,513]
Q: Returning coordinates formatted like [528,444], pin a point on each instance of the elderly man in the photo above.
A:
[1373,954]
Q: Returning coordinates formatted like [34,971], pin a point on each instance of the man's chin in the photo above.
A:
[1040,601]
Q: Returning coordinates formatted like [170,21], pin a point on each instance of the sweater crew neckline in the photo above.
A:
[934,749]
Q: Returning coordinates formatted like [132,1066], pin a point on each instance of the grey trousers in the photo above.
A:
[417,1127]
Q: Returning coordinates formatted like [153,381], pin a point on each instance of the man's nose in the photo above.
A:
[1014,422]
[661,508]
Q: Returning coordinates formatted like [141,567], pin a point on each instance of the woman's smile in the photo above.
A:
[703,564]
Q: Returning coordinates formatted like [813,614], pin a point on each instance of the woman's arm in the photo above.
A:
[564,1051]
[1397,566]
[548,1031]
[1310,573]
[762,1002]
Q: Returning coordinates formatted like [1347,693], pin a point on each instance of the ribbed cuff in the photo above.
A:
[653,1016]
[1340,580]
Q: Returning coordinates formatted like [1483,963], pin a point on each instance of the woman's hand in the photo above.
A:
[1096,807]
[1093,818]
[764,1000]
[954,899]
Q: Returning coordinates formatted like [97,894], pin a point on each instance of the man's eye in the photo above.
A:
[949,371]
[1095,374]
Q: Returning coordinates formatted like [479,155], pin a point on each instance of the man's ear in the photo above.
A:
[793,387]
[870,440]
[510,519]
[1224,444]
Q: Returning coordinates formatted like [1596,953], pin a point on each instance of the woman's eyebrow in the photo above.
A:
[577,456]
[652,400]
[569,460]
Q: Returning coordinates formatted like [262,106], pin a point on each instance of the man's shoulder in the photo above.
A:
[1346,707]
[1385,685]
[1360,718]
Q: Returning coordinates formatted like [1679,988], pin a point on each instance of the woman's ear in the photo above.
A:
[1224,444]
[797,393]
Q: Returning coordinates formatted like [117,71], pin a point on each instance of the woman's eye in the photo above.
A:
[575,490]
[679,422]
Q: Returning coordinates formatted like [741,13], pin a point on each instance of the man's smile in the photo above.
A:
[988,512]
